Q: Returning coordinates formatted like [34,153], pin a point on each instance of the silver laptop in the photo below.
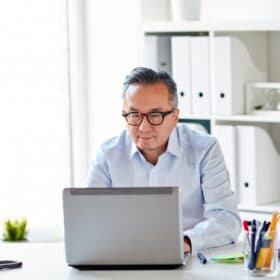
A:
[123,227]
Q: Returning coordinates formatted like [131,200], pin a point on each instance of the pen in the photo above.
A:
[201,258]
[7,264]
[259,244]
[249,223]
[246,228]
[252,256]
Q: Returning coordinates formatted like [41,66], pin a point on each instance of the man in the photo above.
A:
[155,151]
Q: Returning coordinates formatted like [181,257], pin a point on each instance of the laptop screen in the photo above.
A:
[123,226]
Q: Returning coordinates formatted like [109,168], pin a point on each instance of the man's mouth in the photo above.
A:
[145,137]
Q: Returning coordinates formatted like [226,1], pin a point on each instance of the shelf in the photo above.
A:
[261,44]
[266,208]
[200,26]
[267,114]
[236,118]
[265,85]
[169,26]
[245,26]
[196,117]
[248,118]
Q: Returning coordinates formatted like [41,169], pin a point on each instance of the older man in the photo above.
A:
[156,151]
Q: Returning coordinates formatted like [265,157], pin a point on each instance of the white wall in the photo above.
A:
[34,111]
[78,90]
[113,49]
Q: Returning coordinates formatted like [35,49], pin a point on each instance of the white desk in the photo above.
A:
[47,261]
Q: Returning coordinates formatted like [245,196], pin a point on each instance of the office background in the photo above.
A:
[62,66]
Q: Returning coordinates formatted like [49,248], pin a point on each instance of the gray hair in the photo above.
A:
[147,76]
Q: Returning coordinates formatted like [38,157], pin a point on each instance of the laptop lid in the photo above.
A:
[123,226]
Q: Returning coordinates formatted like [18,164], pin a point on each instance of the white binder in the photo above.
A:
[226,135]
[200,75]
[180,54]
[258,167]
[157,53]
[235,64]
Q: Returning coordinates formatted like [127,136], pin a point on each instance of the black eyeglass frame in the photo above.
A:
[163,114]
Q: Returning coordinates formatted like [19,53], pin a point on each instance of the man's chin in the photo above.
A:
[145,146]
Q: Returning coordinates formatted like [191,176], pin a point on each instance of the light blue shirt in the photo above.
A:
[194,162]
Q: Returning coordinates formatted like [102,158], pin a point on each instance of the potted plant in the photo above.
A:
[15,230]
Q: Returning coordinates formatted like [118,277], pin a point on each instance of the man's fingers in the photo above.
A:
[187,247]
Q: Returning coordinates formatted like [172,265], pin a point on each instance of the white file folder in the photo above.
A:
[226,135]
[180,55]
[157,53]
[258,167]
[234,66]
[200,75]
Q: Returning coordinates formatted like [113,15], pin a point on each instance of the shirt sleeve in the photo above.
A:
[222,223]
[99,175]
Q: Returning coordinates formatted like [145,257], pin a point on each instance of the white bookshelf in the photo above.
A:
[247,118]
[174,27]
[263,208]
[197,117]
[198,26]
[268,34]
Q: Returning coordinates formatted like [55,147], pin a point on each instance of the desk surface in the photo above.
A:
[47,261]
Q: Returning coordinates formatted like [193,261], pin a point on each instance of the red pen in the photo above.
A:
[245,226]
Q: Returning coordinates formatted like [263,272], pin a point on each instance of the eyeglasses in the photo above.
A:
[154,118]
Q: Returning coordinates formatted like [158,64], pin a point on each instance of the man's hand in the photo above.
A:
[187,245]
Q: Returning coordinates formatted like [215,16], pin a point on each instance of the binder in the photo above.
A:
[157,52]
[180,56]
[258,167]
[200,68]
[235,64]
[226,135]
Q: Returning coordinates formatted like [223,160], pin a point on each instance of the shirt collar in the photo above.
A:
[173,143]
[172,147]
[133,150]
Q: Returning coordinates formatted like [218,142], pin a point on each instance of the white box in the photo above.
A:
[258,167]
[200,75]
[180,54]
[226,135]
[259,101]
[157,52]
[234,66]
[185,10]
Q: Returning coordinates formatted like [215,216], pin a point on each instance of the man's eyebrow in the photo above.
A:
[156,109]
[133,109]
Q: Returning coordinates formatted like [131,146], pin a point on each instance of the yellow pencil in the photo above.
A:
[273,233]
[265,255]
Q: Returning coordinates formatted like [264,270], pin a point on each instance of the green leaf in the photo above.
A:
[15,230]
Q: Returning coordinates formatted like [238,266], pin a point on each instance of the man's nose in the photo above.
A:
[144,124]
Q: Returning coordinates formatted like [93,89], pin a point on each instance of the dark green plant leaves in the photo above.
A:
[15,230]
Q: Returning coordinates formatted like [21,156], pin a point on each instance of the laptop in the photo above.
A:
[127,227]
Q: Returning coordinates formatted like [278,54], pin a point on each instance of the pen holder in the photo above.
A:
[260,253]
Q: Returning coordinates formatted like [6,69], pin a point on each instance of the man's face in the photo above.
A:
[144,99]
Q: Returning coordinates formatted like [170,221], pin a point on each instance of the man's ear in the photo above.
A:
[176,116]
